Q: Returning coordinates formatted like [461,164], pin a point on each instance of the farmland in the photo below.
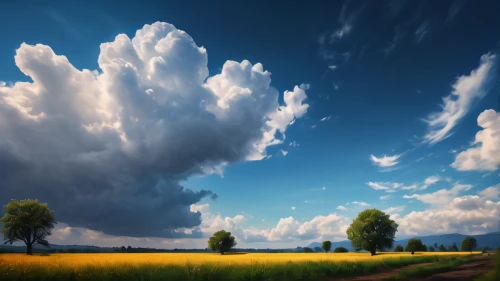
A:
[203,266]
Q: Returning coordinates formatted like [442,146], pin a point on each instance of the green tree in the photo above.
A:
[399,248]
[414,245]
[442,248]
[453,248]
[469,244]
[326,245]
[372,230]
[221,241]
[27,221]
[431,249]
[424,248]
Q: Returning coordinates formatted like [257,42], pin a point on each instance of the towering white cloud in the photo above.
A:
[485,153]
[455,106]
[118,141]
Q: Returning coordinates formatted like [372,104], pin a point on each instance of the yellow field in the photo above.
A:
[114,259]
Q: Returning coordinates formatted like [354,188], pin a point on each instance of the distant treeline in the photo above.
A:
[130,249]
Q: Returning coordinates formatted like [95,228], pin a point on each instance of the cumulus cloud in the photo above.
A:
[342,208]
[385,161]
[442,196]
[117,142]
[485,153]
[491,192]
[466,89]
[287,229]
[331,226]
[469,214]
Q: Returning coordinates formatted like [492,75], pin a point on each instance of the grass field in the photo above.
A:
[204,266]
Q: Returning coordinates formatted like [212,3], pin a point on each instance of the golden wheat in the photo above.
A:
[137,259]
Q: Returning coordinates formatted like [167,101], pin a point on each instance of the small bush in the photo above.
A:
[340,250]
[45,254]
[398,248]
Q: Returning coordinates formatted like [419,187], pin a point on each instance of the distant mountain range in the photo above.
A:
[22,249]
[491,240]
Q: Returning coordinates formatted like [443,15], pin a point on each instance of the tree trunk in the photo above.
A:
[29,249]
[373,252]
[222,253]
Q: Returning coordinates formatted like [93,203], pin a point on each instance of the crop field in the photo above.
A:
[205,266]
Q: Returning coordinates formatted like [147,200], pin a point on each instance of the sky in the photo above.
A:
[157,123]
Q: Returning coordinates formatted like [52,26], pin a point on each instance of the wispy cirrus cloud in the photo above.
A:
[325,118]
[385,197]
[422,31]
[385,186]
[442,196]
[360,203]
[454,10]
[394,210]
[385,161]
[466,89]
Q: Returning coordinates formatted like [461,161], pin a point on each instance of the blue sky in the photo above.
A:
[374,77]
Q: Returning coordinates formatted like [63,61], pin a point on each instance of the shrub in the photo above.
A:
[399,248]
[340,250]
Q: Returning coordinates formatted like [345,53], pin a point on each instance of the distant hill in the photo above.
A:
[22,249]
[491,240]
[346,244]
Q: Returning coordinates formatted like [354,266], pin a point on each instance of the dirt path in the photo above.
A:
[466,271]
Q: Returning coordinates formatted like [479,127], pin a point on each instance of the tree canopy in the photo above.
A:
[326,245]
[27,221]
[442,248]
[221,241]
[469,244]
[372,230]
[453,248]
[414,245]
